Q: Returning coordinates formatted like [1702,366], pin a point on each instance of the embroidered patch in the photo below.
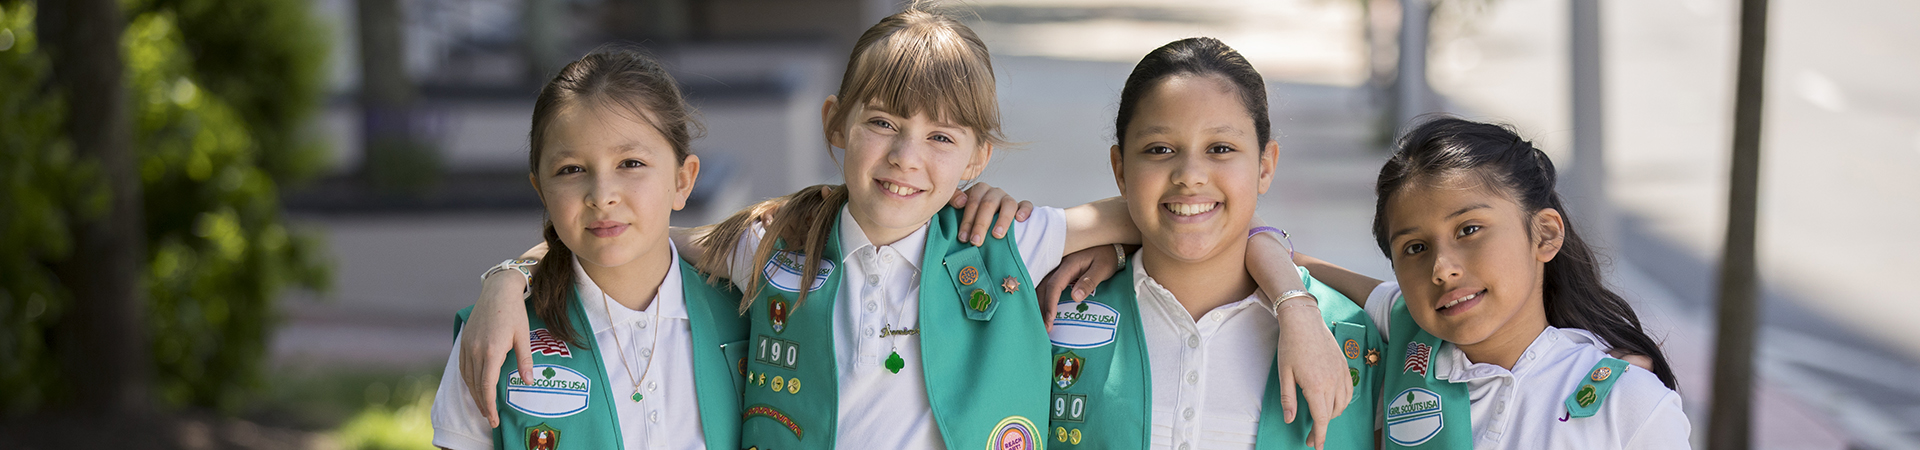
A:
[1413,417]
[542,437]
[553,391]
[1417,356]
[544,343]
[1352,349]
[1014,433]
[777,313]
[968,275]
[1086,324]
[776,352]
[1601,374]
[1068,408]
[769,412]
[1066,369]
[783,272]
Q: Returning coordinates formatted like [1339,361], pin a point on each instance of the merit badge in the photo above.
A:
[777,312]
[544,343]
[1086,325]
[1014,433]
[1585,396]
[1061,432]
[1010,285]
[1413,417]
[979,300]
[1373,356]
[1601,374]
[1355,373]
[551,391]
[542,437]
[763,379]
[1352,349]
[793,386]
[1417,356]
[779,383]
[742,367]
[1074,437]
[968,275]
[1066,369]
[762,410]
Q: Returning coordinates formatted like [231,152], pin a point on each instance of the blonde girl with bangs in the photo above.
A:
[932,335]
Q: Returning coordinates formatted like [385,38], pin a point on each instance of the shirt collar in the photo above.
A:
[1452,364]
[852,239]
[1145,287]
[668,300]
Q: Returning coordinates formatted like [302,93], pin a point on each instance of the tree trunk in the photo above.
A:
[102,339]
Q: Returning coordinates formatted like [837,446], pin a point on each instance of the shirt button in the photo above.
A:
[653,386]
[1193,377]
[1188,414]
[1184,446]
[653,417]
[872,306]
[871,332]
[1500,408]
[873,280]
[887,257]
[643,324]
[1193,341]
[646,353]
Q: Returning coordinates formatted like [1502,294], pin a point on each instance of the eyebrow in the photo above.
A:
[1163,129]
[1396,234]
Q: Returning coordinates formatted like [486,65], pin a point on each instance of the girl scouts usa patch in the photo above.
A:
[1085,324]
[783,271]
[1413,417]
[1014,433]
[551,391]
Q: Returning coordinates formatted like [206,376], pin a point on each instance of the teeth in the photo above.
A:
[898,189]
[1188,209]
[1461,299]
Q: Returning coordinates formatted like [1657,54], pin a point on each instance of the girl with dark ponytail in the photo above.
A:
[1499,317]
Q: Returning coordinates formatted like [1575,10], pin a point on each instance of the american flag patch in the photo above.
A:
[1417,356]
[544,343]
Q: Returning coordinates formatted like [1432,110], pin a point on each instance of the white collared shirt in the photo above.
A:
[668,414]
[1522,408]
[1209,376]
[880,287]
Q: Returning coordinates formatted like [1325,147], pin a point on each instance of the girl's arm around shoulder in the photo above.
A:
[1351,284]
[1101,222]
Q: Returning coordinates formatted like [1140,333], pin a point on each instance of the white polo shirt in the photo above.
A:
[668,414]
[1209,376]
[1524,408]
[880,287]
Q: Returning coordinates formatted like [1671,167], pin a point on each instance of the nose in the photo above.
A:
[1189,170]
[1446,266]
[605,192]
[905,152]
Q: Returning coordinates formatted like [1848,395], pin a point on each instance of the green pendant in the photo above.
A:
[636,396]
[894,363]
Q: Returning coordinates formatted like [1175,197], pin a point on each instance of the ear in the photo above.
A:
[1119,173]
[535,181]
[835,137]
[683,180]
[1550,233]
[1269,158]
[982,154]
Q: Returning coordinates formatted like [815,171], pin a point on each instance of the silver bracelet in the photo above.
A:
[1120,251]
[1289,295]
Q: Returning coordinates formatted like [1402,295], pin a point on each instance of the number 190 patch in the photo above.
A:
[776,352]
[1068,408]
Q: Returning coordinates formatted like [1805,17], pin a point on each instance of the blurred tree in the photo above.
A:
[217,101]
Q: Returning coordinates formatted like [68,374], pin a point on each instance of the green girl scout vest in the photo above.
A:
[984,349]
[1102,383]
[567,404]
[1422,411]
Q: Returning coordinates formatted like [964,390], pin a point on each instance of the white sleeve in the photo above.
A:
[1666,428]
[1042,240]
[457,423]
[743,264]
[1380,305]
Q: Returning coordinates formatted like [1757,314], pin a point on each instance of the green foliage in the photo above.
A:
[219,252]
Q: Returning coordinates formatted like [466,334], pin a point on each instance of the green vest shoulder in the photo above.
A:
[984,348]
[567,404]
[1102,380]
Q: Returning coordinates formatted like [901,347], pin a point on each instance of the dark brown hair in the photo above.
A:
[913,62]
[1195,56]
[1575,296]
[612,79]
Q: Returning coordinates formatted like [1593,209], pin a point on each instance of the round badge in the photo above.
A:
[1352,349]
[793,386]
[1014,433]
[968,275]
[779,383]
[1601,374]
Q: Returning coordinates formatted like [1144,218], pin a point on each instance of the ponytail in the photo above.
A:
[1575,296]
[800,224]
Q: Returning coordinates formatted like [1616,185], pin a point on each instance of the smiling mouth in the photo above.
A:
[1189,209]
[899,190]
[1460,300]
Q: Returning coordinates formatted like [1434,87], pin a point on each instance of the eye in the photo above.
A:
[632,163]
[1469,230]
[1158,150]
[1220,149]
[1415,248]
[943,138]
[567,169]
[882,123]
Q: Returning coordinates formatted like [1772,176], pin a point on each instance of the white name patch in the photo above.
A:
[1413,417]
[1085,324]
[783,272]
[552,391]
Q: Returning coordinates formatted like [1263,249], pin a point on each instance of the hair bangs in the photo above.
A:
[925,67]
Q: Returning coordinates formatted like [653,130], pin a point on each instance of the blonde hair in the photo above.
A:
[915,62]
